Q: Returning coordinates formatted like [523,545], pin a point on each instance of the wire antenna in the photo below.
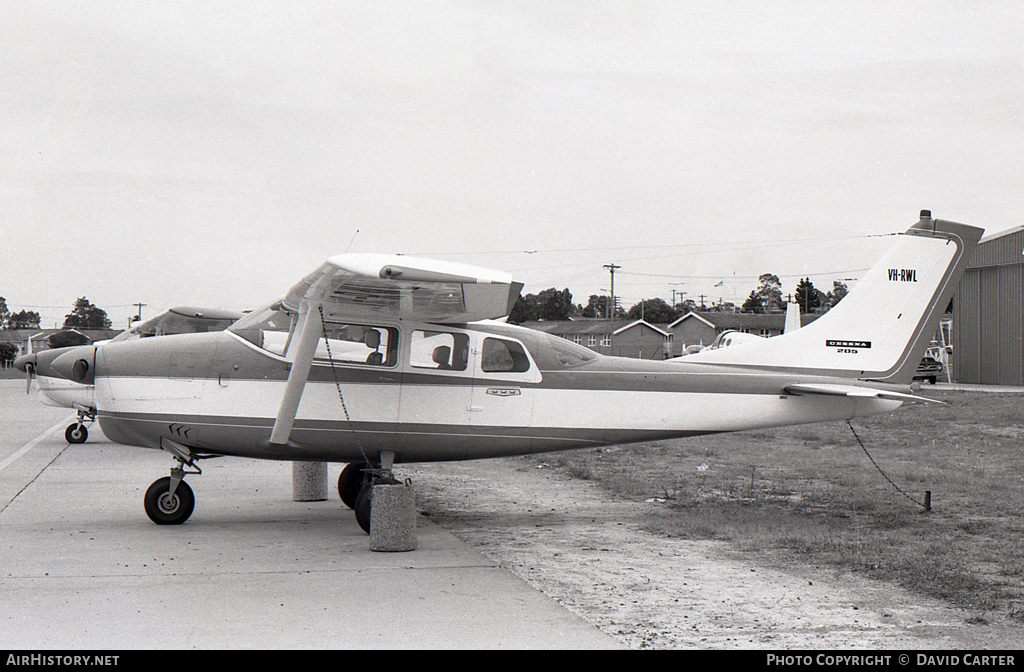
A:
[352,241]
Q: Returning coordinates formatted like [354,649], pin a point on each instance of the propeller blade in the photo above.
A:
[28,379]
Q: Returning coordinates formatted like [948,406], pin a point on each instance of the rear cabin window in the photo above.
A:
[441,350]
[501,356]
[568,354]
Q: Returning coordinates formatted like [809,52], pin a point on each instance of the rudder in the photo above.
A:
[881,328]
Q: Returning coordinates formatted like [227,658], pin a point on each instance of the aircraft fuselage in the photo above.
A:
[219,393]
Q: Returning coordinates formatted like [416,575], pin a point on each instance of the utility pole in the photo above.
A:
[674,292]
[139,317]
[611,306]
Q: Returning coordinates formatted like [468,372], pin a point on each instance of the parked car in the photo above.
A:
[929,369]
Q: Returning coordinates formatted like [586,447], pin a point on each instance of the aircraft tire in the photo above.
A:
[362,507]
[350,482]
[76,433]
[164,510]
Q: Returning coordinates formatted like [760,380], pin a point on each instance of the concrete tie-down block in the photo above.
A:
[309,481]
[393,518]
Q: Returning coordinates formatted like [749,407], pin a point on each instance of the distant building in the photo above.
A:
[39,337]
[637,338]
[988,313]
[642,340]
[701,328]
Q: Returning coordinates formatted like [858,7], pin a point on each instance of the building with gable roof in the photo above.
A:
[636,338]
[701,327]
[40,337]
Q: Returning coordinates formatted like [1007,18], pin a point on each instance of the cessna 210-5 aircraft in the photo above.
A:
[375,360]
[56,390]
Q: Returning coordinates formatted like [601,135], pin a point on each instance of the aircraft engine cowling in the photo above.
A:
[78,364]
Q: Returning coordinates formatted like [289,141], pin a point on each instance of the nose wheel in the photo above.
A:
[77,432]
[170,500]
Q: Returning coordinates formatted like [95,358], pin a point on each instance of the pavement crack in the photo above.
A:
[34,478]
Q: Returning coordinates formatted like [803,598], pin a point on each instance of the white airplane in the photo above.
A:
[56,390]
[375,360]
[731,337]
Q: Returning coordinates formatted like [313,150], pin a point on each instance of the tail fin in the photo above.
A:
[880,330]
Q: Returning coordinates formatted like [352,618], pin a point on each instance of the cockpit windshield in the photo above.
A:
[181,320]
[271,329]
[266,328]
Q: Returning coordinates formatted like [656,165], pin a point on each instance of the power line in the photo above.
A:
[726,246]
[65,307]
[741,277]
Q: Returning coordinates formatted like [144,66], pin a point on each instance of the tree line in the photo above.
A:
[84,315]
[768,296]
[552,304]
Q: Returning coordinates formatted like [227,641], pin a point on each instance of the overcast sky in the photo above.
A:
[213,153]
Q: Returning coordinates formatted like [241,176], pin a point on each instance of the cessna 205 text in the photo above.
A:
[375,359]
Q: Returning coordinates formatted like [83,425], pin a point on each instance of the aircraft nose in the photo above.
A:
[76,364]
[25,361]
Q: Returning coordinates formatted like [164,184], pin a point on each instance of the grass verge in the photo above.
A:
[810,493]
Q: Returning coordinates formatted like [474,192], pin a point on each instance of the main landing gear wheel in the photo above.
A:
[362,507]
[364,502]
[165,508]
[350,482]
[76,433]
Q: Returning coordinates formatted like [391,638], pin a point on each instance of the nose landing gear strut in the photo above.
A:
[77,431]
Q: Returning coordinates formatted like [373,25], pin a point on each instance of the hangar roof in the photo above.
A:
[1000,249]
[1000,234]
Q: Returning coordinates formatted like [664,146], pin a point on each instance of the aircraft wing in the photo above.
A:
[380,285]
[368,286]
[799,389]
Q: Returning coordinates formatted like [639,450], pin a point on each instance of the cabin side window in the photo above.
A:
[358,344]
[441,350]
[272,329]
[568,355]
[501,356]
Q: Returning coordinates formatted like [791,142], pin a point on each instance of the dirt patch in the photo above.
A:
[587,550]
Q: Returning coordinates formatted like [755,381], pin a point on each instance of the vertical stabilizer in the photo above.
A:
[880,330]
[792,318]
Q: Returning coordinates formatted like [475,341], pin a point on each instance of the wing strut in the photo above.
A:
[307,333]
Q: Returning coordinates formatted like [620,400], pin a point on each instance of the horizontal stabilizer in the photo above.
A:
[855,391]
